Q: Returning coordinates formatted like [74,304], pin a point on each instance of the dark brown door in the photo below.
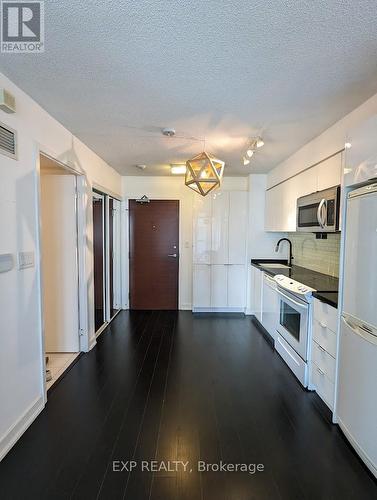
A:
[154,243]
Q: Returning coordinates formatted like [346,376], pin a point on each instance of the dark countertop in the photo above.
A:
[330,298]
[326,286]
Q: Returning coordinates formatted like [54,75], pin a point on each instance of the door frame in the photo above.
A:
[125,246]
[81,226]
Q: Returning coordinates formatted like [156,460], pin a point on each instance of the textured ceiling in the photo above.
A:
[115,73]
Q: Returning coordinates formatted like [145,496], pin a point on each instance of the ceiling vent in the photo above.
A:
[8,144]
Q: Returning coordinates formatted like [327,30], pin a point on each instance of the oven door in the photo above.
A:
[293,323]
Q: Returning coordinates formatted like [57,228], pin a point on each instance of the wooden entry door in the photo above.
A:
[154,258]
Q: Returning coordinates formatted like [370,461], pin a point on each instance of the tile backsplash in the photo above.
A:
[318,255]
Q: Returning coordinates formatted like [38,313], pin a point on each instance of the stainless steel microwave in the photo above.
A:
[319,212]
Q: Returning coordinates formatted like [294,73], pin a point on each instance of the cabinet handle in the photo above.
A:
[322,324]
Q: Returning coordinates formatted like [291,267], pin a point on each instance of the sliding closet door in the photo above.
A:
[99,259]
[106,247]
[114,256]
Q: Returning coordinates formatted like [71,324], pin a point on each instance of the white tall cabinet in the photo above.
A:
[219,253]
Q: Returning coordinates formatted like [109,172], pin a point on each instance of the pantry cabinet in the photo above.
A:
[219,253]
[281,200]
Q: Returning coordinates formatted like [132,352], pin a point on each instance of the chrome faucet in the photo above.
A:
[290,249]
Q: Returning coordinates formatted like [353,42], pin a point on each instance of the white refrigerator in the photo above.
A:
[357,375]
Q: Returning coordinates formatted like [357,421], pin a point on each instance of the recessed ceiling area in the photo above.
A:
[116,73]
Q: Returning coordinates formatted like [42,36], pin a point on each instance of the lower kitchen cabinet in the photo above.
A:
[323,351]
[256,292]
[202,285]
[219,287]
[270,305]
[236,286]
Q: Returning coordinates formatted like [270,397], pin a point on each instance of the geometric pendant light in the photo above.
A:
[204,173]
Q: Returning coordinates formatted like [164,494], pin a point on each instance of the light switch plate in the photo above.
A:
[6,262]
[25,260]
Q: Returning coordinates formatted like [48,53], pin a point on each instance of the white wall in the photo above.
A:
[326,144]
[261,245]
[174,188]
[21,384]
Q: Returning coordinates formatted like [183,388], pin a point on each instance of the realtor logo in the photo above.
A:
[22,27]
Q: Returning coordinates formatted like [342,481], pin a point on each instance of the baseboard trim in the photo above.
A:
[185,307]
[15,432]
[92,343]
[239,310]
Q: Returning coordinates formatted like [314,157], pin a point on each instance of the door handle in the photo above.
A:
[320,217]
[172,255]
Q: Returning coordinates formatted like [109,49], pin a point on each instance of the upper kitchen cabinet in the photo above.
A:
[281,200]
[329,172]
[220,228]
[202,230]
[237,227]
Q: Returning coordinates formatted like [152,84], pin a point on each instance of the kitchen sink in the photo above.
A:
[274,265]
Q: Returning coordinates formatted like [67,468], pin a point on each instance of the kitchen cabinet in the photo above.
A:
[202,285]
[236,285]
[257,292]
[220,229]
[329,172]
[270,305]
[323,351]
[219,286]
[220,235]
[202,230]
[281,200]
[237,227]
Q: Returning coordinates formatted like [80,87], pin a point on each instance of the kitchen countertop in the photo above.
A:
[326,286]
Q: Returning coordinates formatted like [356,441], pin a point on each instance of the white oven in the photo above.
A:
[293,329]
[293,323]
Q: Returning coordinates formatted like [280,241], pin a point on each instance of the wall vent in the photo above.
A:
[8,143]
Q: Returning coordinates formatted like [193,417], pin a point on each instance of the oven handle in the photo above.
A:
[303,306]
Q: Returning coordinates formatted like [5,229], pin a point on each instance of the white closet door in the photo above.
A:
[59,261]
[236,286]
[202,230]
[219,286]
[202,286]
[237,227]
[220,236]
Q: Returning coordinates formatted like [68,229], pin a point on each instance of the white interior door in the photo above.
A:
[59,263]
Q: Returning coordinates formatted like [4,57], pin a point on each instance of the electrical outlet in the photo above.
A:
[25,260]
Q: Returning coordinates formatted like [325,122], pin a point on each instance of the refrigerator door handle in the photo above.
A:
[359,329]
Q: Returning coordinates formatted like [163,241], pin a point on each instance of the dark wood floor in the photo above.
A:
[171,386]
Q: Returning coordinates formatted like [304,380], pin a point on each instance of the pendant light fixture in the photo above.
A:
[204,173]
